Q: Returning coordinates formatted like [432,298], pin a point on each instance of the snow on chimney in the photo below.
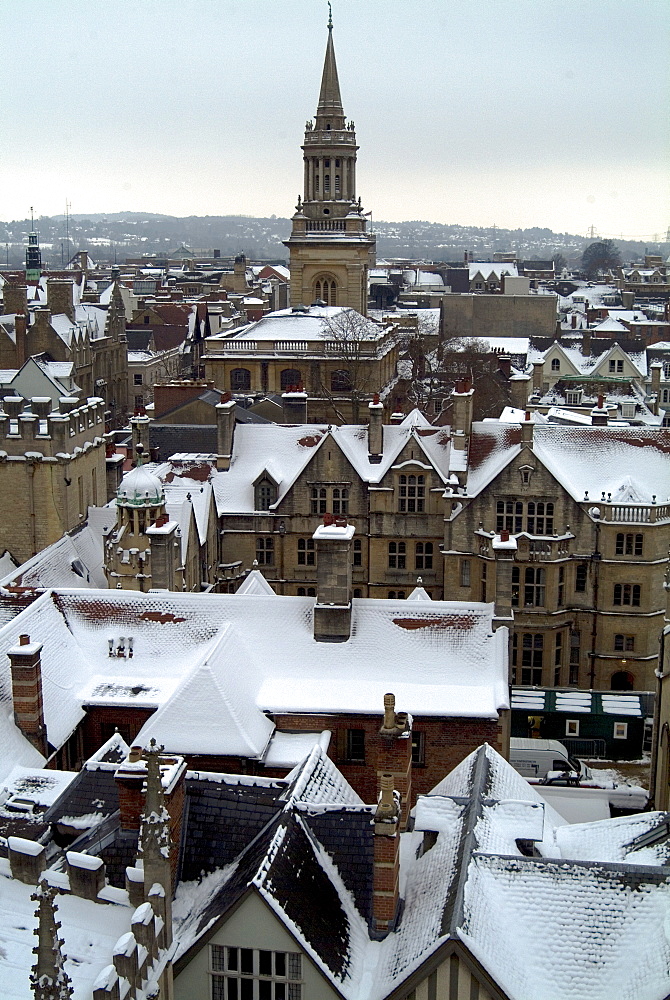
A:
[26,670]
[332,611]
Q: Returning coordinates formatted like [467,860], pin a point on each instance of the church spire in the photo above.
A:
[49,980]
[330,101]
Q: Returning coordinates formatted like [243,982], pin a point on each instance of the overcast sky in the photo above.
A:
[515,112]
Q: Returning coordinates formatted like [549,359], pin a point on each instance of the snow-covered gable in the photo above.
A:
[255,583]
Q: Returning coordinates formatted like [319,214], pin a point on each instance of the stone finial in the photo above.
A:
[48,978]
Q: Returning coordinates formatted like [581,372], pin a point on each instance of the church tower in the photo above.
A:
[329,245]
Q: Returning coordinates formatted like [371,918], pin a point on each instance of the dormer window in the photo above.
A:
[555,364]
[265,493]
[573,397]
[628,410]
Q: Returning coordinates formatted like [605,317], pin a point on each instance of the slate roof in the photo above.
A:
[222,817]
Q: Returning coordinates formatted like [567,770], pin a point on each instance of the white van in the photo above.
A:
[536,758]
[547,764]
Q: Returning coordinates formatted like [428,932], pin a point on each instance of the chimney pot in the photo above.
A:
[24,640]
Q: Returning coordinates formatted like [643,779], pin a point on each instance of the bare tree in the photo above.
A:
[352,341]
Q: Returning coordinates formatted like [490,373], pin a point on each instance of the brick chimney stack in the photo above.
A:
[26,670]
[394,754]
[131,776]
[20,333]
[386,874]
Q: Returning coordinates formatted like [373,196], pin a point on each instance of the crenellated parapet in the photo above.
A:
[31,430]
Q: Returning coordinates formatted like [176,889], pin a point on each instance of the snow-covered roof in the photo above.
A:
[283,451]
[89,930]
[75,560]
[311,324]
[629,463]
[254,654]
[490,268]
[585,917]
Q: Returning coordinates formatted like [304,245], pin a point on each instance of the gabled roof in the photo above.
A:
[293,446]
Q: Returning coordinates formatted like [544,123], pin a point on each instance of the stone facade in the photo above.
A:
[100,361]
[52,468]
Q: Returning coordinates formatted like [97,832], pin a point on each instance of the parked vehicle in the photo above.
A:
[547,763]
[536,758]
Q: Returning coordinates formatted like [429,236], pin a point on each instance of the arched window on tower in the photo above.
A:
[326,290]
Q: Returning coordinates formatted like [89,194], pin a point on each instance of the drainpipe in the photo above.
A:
[595,558]
[655,733]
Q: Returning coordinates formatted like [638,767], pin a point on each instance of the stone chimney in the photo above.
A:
[87,874]
[386,874]
[599,413]
[60,298]
[294,406]
[332,611]
[656,369]
[14,298]
[527,429]
[240,274]
[504,550]
[461,413]
[519,386]
[225,432]
[394,754]
[139,427]
[375,430]
[586,343]
[26,670]
[538,376]
[20,326]
[27,859]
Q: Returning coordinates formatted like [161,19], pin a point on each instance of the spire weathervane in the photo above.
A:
[330,17]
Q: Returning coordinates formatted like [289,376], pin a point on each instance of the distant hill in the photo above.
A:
[117,235]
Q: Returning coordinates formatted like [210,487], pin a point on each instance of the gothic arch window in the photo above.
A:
[290,378]
[325,288]
[622,680]
[240,379]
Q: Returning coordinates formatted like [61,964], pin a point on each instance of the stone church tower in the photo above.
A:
[329,245]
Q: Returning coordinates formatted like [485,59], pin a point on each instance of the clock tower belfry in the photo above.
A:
[330,247]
